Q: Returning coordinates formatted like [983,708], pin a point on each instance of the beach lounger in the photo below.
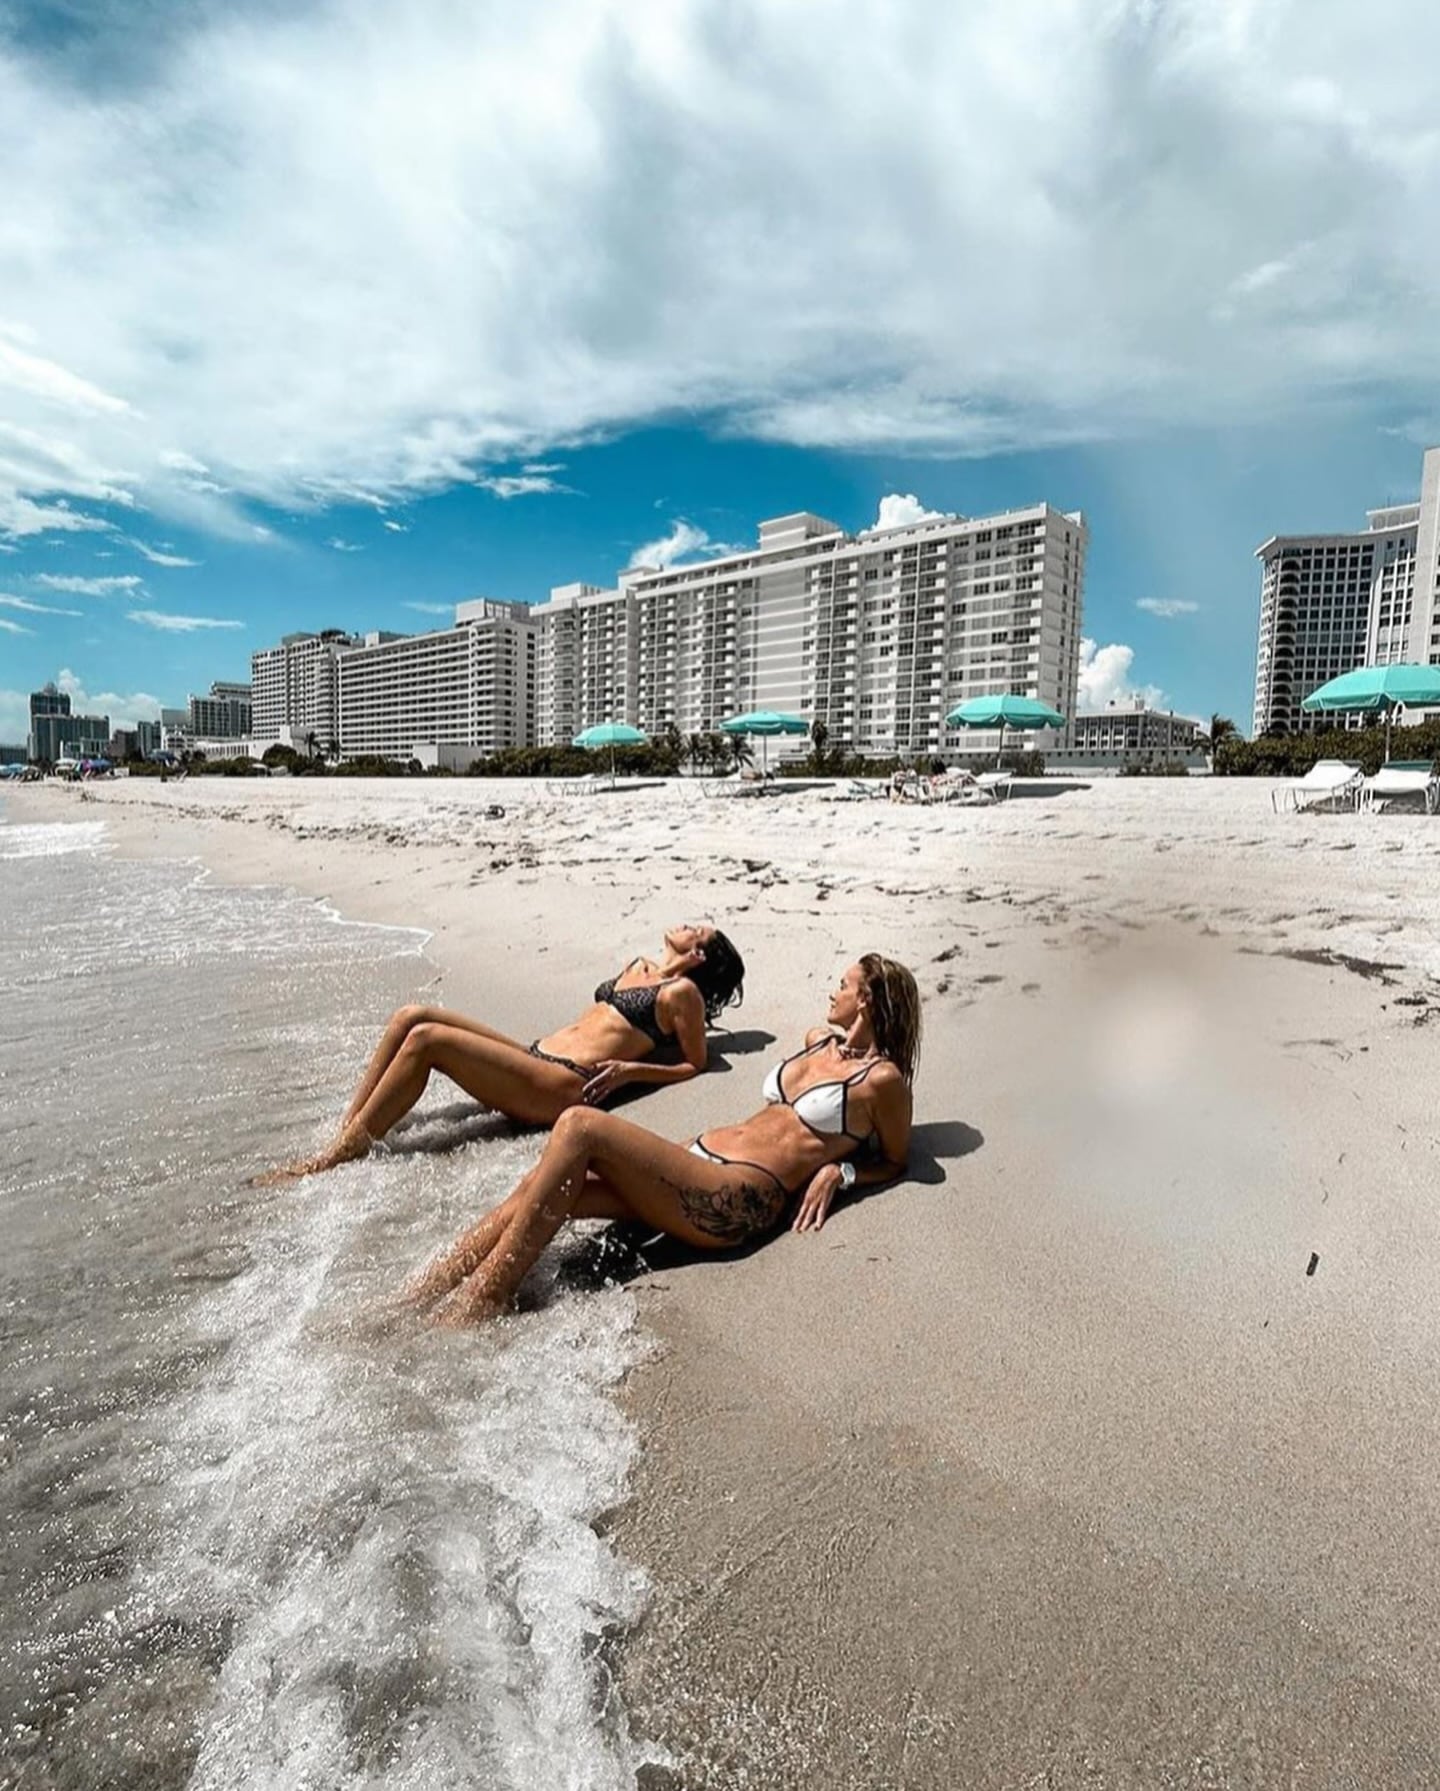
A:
[995,784]
[1329,783]
[852,790]
[578,786]
[1403,777]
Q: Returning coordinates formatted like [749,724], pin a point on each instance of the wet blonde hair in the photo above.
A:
[894,1011]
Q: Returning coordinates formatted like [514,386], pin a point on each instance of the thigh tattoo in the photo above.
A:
[733,1212]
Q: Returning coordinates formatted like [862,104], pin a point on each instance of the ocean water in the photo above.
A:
[260,1530]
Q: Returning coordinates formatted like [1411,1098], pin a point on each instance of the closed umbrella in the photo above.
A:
[765,723]
[1002,712]
[1373,688]
[609,734]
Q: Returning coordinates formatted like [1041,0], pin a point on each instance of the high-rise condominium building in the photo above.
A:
[471,686]
[1330,603]
[296,686]
[57,734]
[223,715]
[876,635]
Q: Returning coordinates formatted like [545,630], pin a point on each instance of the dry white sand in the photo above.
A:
[1052,1467]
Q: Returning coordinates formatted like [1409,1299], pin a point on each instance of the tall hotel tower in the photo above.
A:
[876,635]
[1330,603]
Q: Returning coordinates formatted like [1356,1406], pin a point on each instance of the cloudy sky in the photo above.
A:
[336,314]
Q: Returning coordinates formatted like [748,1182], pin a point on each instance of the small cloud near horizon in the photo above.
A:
[1168,607]
[35,609]
[343,546]
[899,510]
[432,609]
[168,624]
[88,587]
[1105,679]
[526,484]
[158,556]
[682,543]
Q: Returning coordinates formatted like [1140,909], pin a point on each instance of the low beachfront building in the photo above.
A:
[1130,737]
[469,690]
[1330,603]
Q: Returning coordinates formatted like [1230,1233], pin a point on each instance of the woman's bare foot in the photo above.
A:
[352,1144]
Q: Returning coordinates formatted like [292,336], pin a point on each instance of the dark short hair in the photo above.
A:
[720,978]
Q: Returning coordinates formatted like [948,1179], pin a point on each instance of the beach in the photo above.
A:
[1098,1452]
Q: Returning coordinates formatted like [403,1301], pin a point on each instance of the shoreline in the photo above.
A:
[1051,1466]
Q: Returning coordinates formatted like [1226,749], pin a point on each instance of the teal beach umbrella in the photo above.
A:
[765,723]
[1004,712]
[1375,688]
[609,735]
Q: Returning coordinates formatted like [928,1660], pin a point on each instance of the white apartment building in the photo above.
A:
[877,635]
[588,661]
[469,687]
[223,715]
[296,687]
[1330,603]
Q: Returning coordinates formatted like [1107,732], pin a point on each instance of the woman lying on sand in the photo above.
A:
[650,1006]
[845,1092]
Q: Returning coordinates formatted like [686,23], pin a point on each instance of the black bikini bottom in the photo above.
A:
[566,1063]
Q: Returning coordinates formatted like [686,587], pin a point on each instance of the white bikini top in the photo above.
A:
[823,1106]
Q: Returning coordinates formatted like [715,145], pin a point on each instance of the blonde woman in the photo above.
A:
[836,1116]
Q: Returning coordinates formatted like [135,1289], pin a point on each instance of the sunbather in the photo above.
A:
[837,1114]
[661,1005]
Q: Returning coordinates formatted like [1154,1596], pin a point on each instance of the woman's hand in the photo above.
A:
[818,1198]
[608,1076]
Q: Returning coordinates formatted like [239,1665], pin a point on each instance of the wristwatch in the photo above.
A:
[847,1175]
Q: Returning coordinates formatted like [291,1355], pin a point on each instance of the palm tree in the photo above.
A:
[312,743]
[1221,730]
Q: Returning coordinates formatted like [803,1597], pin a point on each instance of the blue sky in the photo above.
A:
[318,316]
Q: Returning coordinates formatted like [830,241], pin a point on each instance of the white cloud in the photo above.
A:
[35,609]
[88,587]
[14,627]
[683,541]
[124,710]
[154,618]
[1105,679]
[526,484]
[898,509]
[347,249]
[433,609]
[543,466]
[395,528]
[1168,607]
[157,556]
[342,546]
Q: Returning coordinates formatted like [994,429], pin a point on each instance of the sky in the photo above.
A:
[335,315]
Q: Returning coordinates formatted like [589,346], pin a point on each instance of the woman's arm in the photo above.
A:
[892,1113]
[684,1008]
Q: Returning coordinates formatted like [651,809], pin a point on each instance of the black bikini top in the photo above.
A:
[638,1007]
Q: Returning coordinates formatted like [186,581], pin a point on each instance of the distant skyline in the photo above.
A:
[336,316]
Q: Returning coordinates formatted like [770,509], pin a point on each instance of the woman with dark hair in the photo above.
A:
[661,1005]
[845,1095]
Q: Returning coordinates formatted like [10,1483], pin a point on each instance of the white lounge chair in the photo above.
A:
[1329,783]
[585,785]
[1405,777]
[995,784]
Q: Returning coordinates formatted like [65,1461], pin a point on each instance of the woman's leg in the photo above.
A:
[596,1165]
[398,1028]
[494,1070]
